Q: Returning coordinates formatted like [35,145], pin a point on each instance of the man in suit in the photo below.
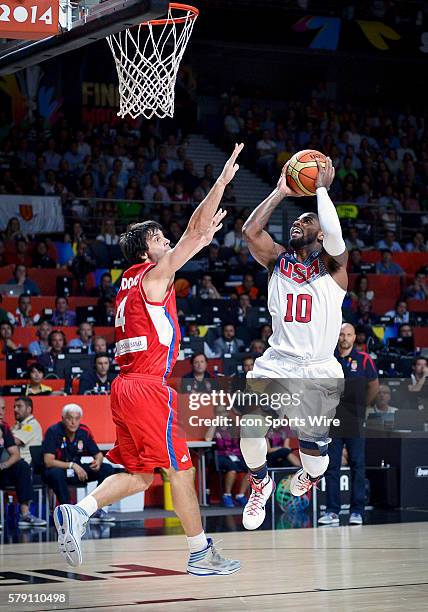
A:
[228,343]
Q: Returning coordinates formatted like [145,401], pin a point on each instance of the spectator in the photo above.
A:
[84,340]
[13,230]
[257,347]
[36,374]
[62,315]
[353,241]
[106,312]
[207,291]
[20,254]
[82,264]
[242,264]
[355,261]
[238,382]
[248,287]
[361,289]
[418,290]
[234,239]
[97,382]
[106,289]
[20,278]
[389,243]
[198,380]
[405,342]
[228,195]
[100,345]
[27,430]
[57,342]
[228,343]
[265,333]
[6,335]
[108,233]
[266,151]
[73,157]
[41,259]
[229,459]
[179,195]
[417,245]
[361,339]
[214,261]
[244,307]
[400,314]
[279,451]
[153,188]
[52,158]
[382,410]
[41,345]
[387,266]
[364,316]
[5,317]
[23,316]
[16,472]
[361,388]
[419,374]
[247,365]
[234,124]
[64,446]
[193,332]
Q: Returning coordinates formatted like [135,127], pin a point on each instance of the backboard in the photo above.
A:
[80,23]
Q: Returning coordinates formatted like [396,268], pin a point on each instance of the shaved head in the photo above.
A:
[346,338]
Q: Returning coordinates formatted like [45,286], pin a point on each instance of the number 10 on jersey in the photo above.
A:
[299,308]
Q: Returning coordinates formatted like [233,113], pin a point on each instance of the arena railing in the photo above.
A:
[369,218]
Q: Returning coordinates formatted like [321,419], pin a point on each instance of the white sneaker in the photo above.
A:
[355,519]
[302,482]
[209,562]
[70,522]
[329,518]
[254,512]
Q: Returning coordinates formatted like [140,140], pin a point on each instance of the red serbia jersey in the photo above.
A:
[147,334]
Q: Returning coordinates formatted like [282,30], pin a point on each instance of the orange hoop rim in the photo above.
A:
[179,7]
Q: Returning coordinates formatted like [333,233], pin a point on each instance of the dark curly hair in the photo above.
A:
[133,242]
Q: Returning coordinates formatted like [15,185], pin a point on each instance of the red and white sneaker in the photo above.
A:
[254,512]
[302,482]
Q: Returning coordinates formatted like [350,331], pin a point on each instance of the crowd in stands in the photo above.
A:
[380,157]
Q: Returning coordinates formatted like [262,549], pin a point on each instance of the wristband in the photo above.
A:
[70,465]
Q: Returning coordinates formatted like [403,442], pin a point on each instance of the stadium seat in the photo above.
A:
[381,284]
[421,336]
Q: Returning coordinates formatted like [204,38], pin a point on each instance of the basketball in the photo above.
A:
[302,171]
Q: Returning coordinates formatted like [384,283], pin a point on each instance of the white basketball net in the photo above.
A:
[147,60]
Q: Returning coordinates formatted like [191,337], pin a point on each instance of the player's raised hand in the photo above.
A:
[325,174]
[283,187]
[231,167]
[216,225]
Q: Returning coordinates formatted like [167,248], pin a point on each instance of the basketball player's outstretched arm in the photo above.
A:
[333,243]
[261,245]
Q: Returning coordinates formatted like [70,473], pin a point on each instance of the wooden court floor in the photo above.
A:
[375,567]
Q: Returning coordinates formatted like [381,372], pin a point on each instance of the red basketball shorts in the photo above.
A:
[147,436]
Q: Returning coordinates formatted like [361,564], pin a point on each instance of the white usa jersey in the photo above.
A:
[305,304]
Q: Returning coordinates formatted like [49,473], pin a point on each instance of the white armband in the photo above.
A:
[333,241]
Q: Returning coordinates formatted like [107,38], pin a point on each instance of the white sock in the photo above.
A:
[89,504]
[314,465]
[197,543]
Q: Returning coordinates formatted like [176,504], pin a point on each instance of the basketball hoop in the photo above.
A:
[147,59]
